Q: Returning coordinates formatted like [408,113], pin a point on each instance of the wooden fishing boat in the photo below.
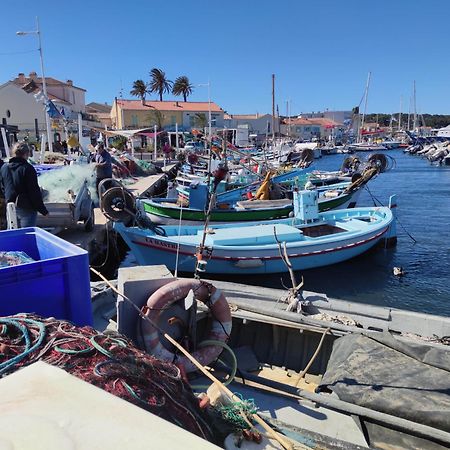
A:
[232,192]
[336,375]
[165,211]
[312,239]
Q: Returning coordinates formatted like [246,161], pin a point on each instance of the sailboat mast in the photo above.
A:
[409,115]
[273,108]
[289,117]
[365,103]
[400,114]
[415,106]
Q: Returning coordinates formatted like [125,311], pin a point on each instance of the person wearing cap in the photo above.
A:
[103,163]
[18,182]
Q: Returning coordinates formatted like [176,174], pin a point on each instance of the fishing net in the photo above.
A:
[145,167]
[108,361]
[234,412]
[9,259]
[57,183]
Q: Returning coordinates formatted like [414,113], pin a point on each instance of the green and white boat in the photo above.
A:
[166,211]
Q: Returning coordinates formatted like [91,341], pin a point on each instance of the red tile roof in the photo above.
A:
[49,81]
[168,105]
[297,121]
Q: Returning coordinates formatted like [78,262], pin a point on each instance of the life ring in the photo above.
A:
[161,300]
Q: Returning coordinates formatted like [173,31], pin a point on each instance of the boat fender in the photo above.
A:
[172,292]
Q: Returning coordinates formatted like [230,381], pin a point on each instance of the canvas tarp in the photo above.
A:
[405,379]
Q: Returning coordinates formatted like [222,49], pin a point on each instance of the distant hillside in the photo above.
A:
[431,120]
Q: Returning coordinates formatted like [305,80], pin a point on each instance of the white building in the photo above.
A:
[258,124]
[21,104]
[336,116]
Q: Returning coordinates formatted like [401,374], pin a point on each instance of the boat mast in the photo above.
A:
[366,95]
[273,109]
[409,115]
[400,114]
[415,106]
[289,117]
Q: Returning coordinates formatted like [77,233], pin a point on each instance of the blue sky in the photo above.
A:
[320,50]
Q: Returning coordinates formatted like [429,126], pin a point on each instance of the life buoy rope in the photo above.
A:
[163,298]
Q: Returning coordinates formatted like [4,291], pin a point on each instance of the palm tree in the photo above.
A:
[139,90]
[159,83]
[200,121]
[182,87]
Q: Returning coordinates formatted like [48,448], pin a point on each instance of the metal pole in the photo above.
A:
[209,113]
[116,124]
[273,109]
[289,118]
[44,88]
[365,104]
[11,216]
[415,106]
[400,114]
[42,152]
[409,115]
[154,144]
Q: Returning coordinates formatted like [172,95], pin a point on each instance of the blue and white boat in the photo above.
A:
[312,240]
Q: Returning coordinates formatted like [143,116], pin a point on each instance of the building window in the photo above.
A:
[8,113]
[134,120]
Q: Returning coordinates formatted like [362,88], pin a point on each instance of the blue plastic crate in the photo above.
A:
[55,285]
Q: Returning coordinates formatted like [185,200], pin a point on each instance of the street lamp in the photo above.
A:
[44,84]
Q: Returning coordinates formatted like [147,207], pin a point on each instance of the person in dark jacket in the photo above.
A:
[2,200]
[103,164]
[18,181]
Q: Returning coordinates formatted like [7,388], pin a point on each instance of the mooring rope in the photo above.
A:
[374,199]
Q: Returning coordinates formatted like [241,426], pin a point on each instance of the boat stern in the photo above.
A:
[390,239]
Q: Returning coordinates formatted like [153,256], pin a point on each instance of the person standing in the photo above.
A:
[2,200]
[18,182]
[103,165]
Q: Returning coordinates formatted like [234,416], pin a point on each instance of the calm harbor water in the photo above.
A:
[424,205]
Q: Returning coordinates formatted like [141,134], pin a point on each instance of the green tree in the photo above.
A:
[119,142]
[156,117]
[139,90]
[159,83]
[183,87]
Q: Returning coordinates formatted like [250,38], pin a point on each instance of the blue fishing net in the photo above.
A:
[9,259]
